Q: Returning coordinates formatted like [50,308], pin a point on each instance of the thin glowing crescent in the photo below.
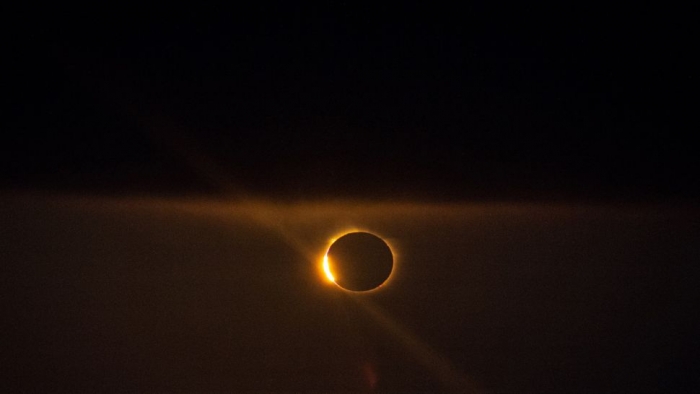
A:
[327,269]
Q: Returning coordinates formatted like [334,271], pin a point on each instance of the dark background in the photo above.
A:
[380,102]
[169,180]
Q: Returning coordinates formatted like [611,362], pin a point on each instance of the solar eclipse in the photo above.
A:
[358,261]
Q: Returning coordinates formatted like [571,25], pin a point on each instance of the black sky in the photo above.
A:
[301,103]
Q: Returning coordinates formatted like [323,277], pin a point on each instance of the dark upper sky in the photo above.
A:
[309,103]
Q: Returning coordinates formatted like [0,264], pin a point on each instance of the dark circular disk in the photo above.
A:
[360,261]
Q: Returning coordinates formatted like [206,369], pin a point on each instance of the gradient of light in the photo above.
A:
[285,221]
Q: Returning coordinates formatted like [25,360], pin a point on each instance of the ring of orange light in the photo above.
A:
[326,266]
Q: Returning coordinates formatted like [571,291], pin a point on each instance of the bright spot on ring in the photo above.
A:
[327,269]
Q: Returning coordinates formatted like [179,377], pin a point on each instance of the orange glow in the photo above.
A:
[327,269]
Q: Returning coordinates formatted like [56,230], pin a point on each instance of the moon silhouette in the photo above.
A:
[359,261]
